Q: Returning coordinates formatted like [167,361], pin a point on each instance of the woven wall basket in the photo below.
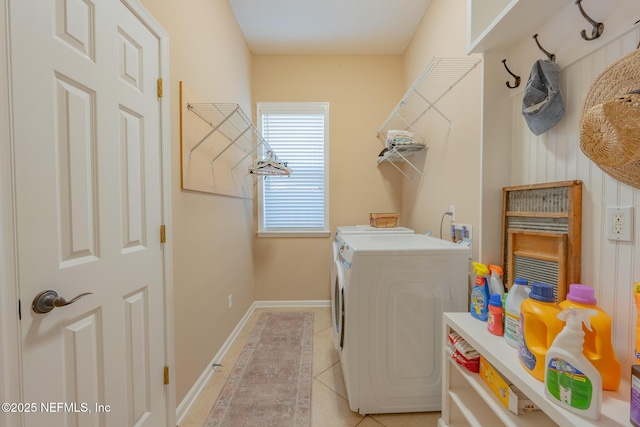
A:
[610,120]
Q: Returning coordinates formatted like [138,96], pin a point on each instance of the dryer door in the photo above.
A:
[337,304]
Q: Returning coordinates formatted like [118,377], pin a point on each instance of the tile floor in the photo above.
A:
[330,407]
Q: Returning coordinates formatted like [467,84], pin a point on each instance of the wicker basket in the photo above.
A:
[383,220]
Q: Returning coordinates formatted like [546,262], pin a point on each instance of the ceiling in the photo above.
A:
[328,27]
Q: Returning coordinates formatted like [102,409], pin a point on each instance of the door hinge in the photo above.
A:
[166,375]
[160,88]
[163,234]
[19,310]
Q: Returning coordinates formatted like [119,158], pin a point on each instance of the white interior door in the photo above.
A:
[89,196]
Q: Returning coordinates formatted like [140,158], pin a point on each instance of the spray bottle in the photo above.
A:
[479,306]
[570,380]
[598,345]
[495,280]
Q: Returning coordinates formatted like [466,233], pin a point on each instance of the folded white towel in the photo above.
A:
[399,137]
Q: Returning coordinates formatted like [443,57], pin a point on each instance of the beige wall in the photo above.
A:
[452,164]
[361,91]
[212,235]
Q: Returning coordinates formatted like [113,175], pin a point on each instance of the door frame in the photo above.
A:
[10,337]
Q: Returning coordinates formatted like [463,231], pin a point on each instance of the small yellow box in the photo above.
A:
[383,220]
[512,398]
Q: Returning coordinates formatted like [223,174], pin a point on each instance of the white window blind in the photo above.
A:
[297,134]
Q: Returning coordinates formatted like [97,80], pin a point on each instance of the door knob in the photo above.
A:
[46,301]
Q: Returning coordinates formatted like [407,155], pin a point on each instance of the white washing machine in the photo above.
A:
[344,230]
[395,289]
[336,291]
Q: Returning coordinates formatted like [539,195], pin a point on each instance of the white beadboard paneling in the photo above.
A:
[609,267]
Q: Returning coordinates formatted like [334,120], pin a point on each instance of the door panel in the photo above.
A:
[89,208]
[83,368]
[75,144]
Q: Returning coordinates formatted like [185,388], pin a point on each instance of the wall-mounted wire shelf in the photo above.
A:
[402,153]
[433,83]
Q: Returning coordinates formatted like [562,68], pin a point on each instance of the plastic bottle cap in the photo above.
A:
[582,294]
[495,300]
[519,281]
[542,292]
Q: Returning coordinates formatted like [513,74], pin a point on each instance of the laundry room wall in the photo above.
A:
[452,164]
[361,91]
[212,234]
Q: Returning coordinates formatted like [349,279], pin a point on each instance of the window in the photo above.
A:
[298,133]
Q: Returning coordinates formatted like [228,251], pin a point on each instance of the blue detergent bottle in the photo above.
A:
[479,305]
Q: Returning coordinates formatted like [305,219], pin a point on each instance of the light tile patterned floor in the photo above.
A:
[330,407]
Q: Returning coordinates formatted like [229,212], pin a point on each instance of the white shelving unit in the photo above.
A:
[468,401]
[433,83]
[495,24]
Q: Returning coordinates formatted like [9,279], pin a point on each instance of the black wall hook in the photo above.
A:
[598,27]
[550,56]
[517,82]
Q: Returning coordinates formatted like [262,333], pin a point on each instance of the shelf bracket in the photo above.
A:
[215,128]
[406,160]
[233,141]
[248,154]
[399,170]
[431,105]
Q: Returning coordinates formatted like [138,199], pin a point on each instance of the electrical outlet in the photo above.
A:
[620,223]
[230,301]
[452,209]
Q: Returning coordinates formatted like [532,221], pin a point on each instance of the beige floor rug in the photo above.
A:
[270,384]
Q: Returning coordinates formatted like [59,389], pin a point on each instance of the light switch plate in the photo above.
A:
[619,223]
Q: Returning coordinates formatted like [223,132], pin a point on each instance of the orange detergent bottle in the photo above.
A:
[539,327]
[597,347]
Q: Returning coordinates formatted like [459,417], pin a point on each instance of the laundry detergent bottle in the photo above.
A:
[598,345]
[519,292]
[570,380]
[495,315]
[539,325]
[479,305]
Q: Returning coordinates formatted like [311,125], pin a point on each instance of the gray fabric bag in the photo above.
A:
[542,104]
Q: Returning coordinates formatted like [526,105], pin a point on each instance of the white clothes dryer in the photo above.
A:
[336,290]
[394,291]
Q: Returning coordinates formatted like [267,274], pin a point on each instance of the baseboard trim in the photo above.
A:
[183,408]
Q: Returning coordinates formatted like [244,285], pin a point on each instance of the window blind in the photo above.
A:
[295,202]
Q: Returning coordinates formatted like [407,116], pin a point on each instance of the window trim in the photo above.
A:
[295,107]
